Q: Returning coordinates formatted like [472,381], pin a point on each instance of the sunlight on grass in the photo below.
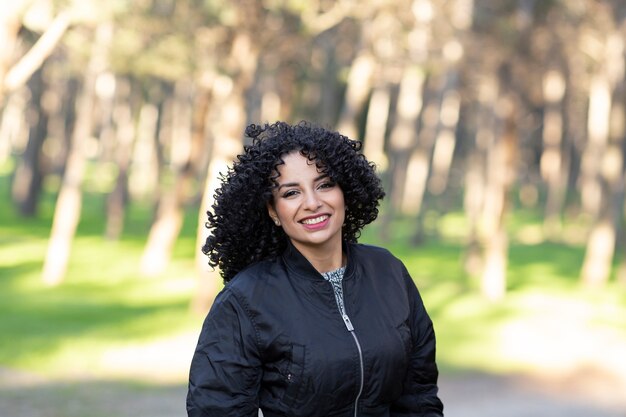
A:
[103,302]
[80,320]
[454,226]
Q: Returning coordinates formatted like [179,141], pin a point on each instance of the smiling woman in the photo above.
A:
[243,233]
[310,323]
[310,209]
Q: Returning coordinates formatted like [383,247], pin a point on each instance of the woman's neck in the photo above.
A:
[324,258]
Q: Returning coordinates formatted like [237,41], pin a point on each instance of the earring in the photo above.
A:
[276,221]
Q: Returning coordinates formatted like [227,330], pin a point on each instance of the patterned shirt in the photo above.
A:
[335,278]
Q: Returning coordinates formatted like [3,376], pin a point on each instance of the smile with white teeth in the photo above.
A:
[315,220]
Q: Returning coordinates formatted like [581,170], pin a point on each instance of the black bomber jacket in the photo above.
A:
[275,340]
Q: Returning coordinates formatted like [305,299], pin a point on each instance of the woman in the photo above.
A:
[309,323]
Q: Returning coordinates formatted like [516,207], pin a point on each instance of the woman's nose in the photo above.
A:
[312,202]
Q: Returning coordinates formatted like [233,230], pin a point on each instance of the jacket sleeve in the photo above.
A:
[419,397]
[225,372]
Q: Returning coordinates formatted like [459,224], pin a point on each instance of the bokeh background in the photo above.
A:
[498,128]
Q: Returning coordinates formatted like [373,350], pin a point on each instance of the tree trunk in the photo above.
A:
[9,27]
[474,195]
[476,175]
[403,137]
[143,174]
[28,176]
[227,142]
[68,206]
[12,113]
[13,128]
[169,218]
[270,105]
[124,138]
[620,186]
[446,137]
[357,91]
[162,236]
[433,155]
[201,144]
[420,164]
[227,134]
[61,97]
[553,163]
[600,249]
[418,169]
[606,148]
[105,106]
[331,93]
[498,141]
[598,134]
[34,58]
[286,89]
[402,141]
[376,127]
[500,159]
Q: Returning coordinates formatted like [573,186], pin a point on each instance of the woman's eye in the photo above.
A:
[289,193]
[328,184]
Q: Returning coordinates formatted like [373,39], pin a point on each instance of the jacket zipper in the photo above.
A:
[350,328]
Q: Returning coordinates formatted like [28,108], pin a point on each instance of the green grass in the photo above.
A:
[104,303]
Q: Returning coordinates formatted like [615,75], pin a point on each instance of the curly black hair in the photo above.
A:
[241,231]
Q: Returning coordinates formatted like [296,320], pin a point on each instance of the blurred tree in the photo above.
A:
[169,216]
[492,164]
[602,165]
[28,176]
[10,23]
[124,108]
[41,32]
[68,206]
[34,58]
[451,98]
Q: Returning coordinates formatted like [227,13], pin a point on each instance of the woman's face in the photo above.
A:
[308,205]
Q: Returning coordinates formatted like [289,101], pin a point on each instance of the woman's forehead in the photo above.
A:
[294,163]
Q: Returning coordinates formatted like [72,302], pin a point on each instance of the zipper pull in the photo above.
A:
[347,322]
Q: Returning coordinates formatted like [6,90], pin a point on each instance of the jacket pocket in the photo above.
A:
[294,376]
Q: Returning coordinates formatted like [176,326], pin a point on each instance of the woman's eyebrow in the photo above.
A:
[287,184]
[295,184]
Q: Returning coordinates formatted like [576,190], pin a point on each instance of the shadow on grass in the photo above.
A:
[45,323]
[544,264]
[11,275]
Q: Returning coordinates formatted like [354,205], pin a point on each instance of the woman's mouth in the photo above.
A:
[312,221]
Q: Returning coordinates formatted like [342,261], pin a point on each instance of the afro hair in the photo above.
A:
[241,231]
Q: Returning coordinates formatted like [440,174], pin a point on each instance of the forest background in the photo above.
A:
[498,128]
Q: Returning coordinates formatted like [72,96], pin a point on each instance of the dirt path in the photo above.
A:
[483,395]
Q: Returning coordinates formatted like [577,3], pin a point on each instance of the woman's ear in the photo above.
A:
[273,215]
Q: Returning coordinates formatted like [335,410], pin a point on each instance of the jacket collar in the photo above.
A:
[298,264]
